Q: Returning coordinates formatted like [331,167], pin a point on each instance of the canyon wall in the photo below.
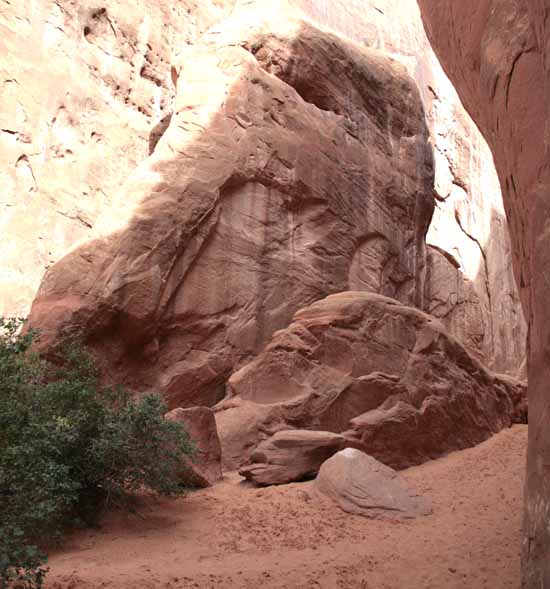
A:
[498,55]
[296,165]
[87,93]
[83,86]
[470,283]
[180,178]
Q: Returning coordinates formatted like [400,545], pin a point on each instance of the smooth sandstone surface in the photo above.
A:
[360,484]
[294,160]
[205,467]
[498,56]
[470,281]
[292,455]
[84,87]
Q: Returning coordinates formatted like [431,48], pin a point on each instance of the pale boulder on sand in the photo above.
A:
[360,484]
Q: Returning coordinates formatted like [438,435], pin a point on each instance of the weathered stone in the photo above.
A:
[469,223]
[242,425]
[65,158]
[205,468]
[498,55]
[360,484]
[288,151]
[388,375]
[291,455]
[81,86]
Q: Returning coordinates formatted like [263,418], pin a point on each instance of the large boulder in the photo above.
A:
[498,56]
[293,158]
[360,484]
[292,455]
[205,467]
[388,375]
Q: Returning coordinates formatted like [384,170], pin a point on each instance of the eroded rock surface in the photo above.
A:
[106,74]
[82,86]
[478,300]
[498,55]
[205,468]
[258,199]
[291,455]
[387,375]
[360,484]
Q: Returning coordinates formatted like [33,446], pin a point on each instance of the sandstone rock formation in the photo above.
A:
[387,375]
[470,284]
[360,484]
[291,155]
[82,85]
[105,70]
[497,53]
[292,455]
[205,468]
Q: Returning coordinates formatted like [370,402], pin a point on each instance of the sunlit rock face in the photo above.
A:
[291,154]
[498,55]
[82,87]
[108,97]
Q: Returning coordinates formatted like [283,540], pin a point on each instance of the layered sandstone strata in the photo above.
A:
[87,93]
[388,377]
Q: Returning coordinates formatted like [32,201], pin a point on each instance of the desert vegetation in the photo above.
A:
[69,448]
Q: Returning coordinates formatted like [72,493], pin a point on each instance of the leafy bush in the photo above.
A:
[68,447]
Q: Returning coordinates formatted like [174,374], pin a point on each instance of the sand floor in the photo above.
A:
[235,535]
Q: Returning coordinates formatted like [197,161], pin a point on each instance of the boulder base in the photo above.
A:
[387,376]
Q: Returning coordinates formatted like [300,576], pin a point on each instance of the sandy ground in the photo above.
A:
[235,535]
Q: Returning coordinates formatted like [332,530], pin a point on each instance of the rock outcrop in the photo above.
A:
[470,281]
[292,455]
[205,467]
[387,375]
[360,484]
[295,163]
[498,55]
[83,85]
[106,73]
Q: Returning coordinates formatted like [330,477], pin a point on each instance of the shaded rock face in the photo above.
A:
[387,375]
[264,192]
[360,484]
[498,55]
[292,455]
[199,422]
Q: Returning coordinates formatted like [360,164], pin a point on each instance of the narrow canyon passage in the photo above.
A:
[281,218]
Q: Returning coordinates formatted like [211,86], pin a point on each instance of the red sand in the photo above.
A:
[235,535]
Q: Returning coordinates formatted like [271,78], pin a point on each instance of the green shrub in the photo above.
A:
[69,447]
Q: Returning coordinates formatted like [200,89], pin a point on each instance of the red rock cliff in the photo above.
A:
[498,55]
